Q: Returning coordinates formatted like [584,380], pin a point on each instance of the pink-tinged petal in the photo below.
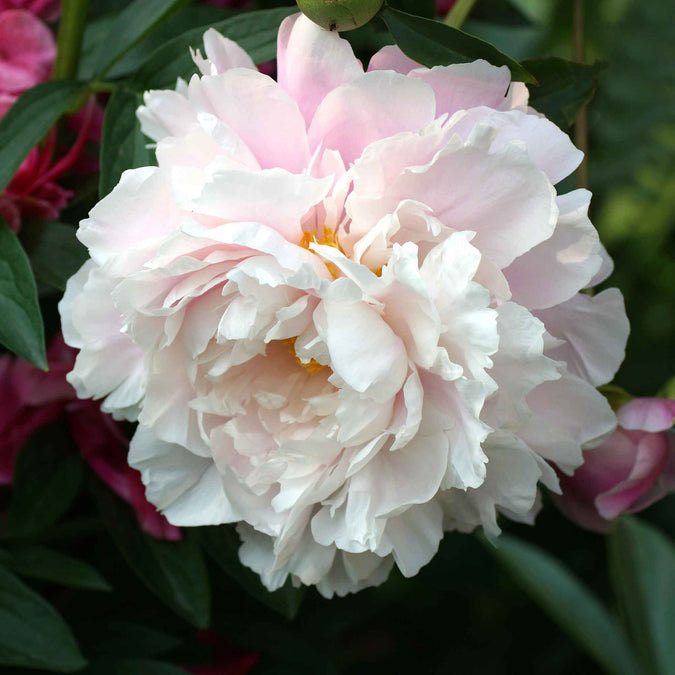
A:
[138,209]
[511,210]
[221,54]
[606,268]
[650,456]
[27,51]
[548,147]
[390,57]
[260,112]
[166,113]
[595,330]
[466,85]
[561,266]
[188,489]
[647,414]
[272,197]
[567,415]
[370,107]
[312,62]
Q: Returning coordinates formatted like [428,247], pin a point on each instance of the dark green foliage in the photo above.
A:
[21,329]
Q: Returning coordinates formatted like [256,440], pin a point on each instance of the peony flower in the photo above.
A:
[628,472]
[345,307]
[31,399]
[28,51]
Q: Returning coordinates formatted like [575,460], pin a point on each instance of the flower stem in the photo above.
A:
[69,43]
[581,126]
[457,15]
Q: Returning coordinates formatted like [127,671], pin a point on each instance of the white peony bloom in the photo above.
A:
[345,307]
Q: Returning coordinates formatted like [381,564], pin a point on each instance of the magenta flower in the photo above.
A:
[31,399]
[626,473]
[27,51]
[33,192]
[47,10]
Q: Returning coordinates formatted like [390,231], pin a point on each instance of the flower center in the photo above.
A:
[313,367]
[328,238]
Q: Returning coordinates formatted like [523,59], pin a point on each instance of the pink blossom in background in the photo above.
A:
[104,446]
[31,399]
[443,6]
[628,472]
[33,192]
[230,660]
[27,51]
[47,10]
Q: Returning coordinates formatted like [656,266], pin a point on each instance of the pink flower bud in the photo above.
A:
[626,473]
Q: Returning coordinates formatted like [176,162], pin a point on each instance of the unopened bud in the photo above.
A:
[340,15]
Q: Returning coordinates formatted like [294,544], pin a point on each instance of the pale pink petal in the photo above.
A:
[567,415]
[561,266]
[248,102]
[311,62]
[647,414]
[221,54]
[390,57]
[466,85]
[368,108]
[548,147]
[595,330]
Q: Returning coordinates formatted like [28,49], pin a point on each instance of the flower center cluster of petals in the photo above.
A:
[345,307]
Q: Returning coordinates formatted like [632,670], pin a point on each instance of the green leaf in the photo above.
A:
[54,251]
[426,8]
[111,638]
[117,666]
[98,30]
[21,328]
[174,571]
[642,569]
[564,87]
[46,564]
[47,479]
[29,120]
[33,634]
[123,146]
[569,603]
[222,544]
[256,32]
[133,23]
[432,43]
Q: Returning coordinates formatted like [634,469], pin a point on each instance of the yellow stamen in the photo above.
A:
[328,238]
[313,367]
